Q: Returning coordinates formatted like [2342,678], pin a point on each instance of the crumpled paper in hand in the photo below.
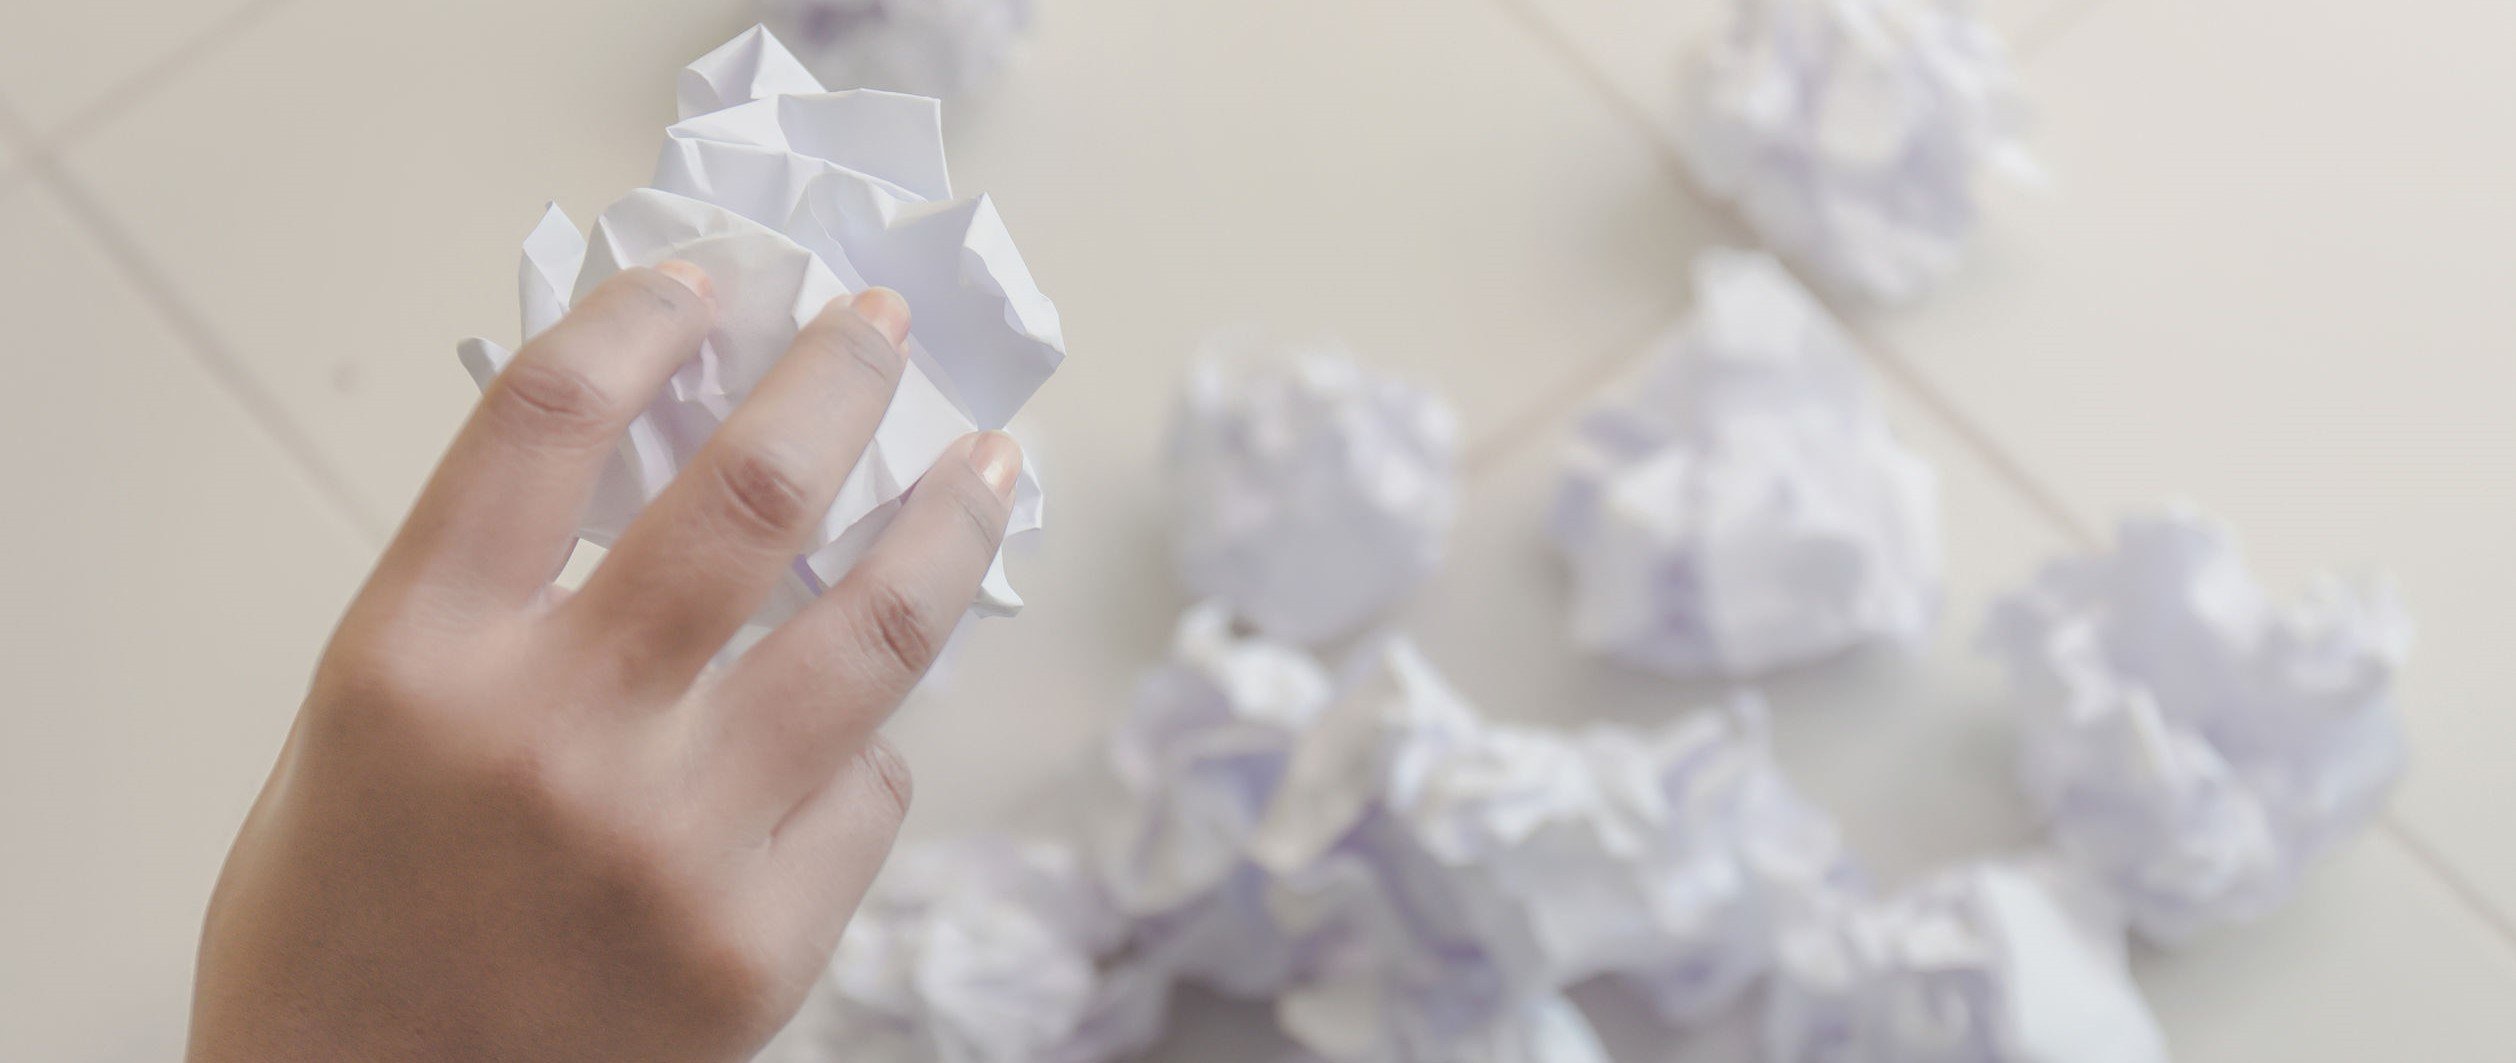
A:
[790,197]
[1742,506]
[2011,962]
[942,48]
[2194,744]
[1311,492]
[981,949]
[1850,133]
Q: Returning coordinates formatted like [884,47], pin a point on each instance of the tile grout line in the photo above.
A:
[1893,365]
[131,90]
[42,166]
[209,352]
[2391,823]
[1897,368]
[1492,447]
[1890,363]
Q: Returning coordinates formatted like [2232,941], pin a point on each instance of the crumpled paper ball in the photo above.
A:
[1198,759]
[1987,963]
[1850,133]
[1311,493]
[942,48]
[1452,876]
[1404,879]
[1742,506]
[790,197]
[1405,958]
[981,949]
[2195,745]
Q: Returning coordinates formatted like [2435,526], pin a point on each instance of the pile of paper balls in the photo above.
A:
[1347,837]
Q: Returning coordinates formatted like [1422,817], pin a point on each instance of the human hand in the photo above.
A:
[512,823]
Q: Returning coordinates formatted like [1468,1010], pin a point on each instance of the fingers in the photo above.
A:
[808,696]
[828,849]
[707,551]
[503,506]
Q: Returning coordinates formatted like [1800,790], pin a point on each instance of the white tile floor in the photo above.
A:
[167,588]
[245,232]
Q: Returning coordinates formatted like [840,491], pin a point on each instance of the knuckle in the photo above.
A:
[763,491]
[525,776]
[847,339]
[382,683]
[735,982]
[646,863]
[543,399]
[645,292]
[634,864]
[889,776]
[982,513]
[368,678]
[897,627]
[543,779]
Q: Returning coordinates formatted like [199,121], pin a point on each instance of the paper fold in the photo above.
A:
[791,197]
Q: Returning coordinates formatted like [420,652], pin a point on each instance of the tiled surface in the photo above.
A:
[485,109]
[1457,212]
[2373,960]
[13,136]
[169,578]
[355,187]
[58,61]
[1639,51]
[2279,288]
[2264,281]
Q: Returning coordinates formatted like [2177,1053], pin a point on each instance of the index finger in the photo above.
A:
[502,508]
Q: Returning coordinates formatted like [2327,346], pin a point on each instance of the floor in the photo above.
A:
[2271,278]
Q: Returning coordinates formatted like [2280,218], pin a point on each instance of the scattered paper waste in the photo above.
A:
[1199,759]
[942,48]
[1410,882]
[1850,133]
[1312,492]
[1485,867]
[1987,963]
[982,949]
[2195,745]
[1742,506]
[790,197]
[1405,880]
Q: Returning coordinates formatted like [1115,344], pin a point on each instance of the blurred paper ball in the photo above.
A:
[940,48]
[1311,493]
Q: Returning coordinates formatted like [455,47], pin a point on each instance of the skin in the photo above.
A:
[514,824]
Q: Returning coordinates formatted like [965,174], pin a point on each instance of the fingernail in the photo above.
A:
[886,312]
[998,460]
[690,276]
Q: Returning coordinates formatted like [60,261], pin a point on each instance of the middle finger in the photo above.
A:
[705,554]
